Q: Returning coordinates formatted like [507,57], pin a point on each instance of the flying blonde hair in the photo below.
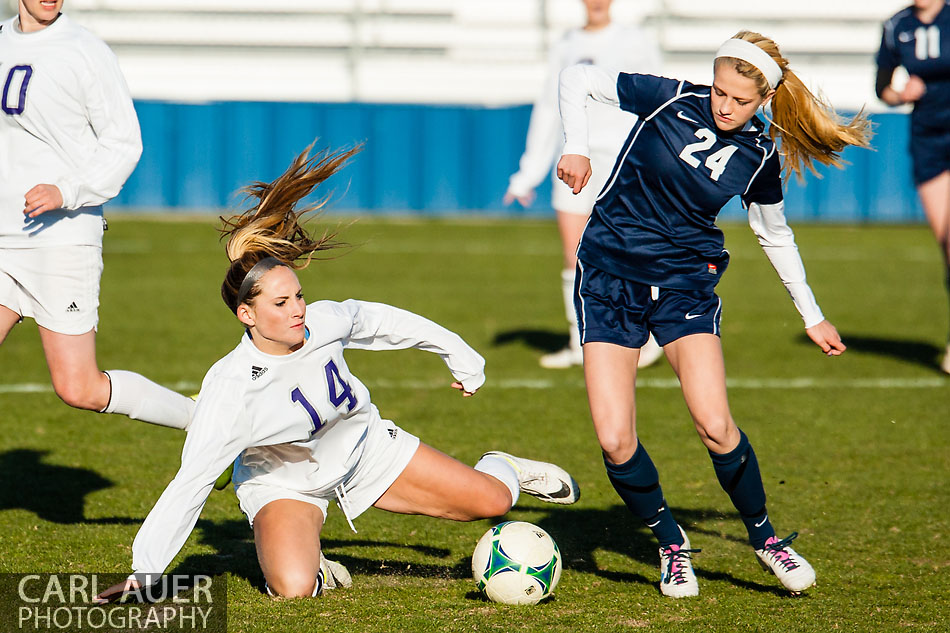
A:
[804,126]
[272,230]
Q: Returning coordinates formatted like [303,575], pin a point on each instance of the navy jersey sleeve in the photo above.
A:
[766,185]
[642,94]
[888,55]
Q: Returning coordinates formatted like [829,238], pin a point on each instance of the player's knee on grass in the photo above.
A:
[292,583]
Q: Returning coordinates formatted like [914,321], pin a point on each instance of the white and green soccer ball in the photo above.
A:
[516,563]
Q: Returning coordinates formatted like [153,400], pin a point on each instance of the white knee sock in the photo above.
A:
[141,399]
[567,289]
[500,469]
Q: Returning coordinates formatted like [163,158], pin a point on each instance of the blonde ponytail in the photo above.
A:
[272,227]
[804,126]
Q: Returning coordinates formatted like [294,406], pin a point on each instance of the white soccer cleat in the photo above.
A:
[677,579]
[334,574]
[649,353]
[542,480]
[945,365]
[562,359]
[789,567]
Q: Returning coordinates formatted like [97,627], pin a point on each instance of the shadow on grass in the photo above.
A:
[235,553]
[580,534]
[53,492]
[541,340]
[923,353]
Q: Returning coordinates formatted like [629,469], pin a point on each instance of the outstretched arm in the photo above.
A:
[778,241]
[377,326]
[215,438]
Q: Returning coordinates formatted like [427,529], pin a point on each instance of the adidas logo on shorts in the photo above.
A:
[392,433]
[257,372]
[72,307]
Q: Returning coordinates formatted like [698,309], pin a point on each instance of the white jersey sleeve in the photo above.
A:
[778,241]
[615,47]
[112,117]
[577,83]
[218,433]
[377,326]
[69,121]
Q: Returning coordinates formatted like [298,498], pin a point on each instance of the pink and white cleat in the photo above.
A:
[789,567]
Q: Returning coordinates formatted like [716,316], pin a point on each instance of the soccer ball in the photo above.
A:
[516,563]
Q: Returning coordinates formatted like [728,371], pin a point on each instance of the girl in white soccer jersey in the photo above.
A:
[651,256]
[304,427]
[918,38]
[69,138]
[609,45]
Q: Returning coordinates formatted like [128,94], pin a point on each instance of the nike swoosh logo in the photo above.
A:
[690,317]
[680,114]
[560,496]
[762,522]
[564,492]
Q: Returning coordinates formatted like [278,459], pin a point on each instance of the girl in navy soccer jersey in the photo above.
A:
[651,256]
[918,38]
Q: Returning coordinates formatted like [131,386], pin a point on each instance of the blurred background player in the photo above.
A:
[918,38]
[609,45]
[652,255]
[303,425]
[70,138]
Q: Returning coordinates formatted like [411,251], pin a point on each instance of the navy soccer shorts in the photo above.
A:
[623,312]
[930,153]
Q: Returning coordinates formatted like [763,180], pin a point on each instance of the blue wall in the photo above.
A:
[434,160]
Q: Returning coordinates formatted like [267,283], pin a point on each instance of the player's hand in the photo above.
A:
[115,592]
[913,90]
[524,200]
[827,338]
[465,394]
[574,171]
[42,198]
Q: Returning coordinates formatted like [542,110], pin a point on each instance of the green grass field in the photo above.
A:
[855,451]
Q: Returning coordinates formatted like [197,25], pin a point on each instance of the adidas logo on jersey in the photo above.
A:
[72,307]
[392,433]
[257,372]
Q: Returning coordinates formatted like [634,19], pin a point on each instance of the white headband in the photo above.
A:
[749,52]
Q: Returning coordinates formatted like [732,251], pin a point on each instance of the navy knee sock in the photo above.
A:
[738,474]
[638,484]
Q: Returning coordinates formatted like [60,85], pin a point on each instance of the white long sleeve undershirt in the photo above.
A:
[576,84]
[778,241]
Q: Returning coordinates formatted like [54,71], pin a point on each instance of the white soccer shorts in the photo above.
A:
[57,286]
[387,451]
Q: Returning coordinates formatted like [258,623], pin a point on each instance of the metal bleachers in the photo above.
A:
[448,51]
